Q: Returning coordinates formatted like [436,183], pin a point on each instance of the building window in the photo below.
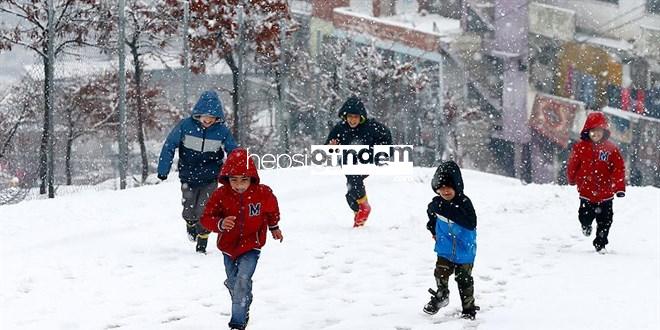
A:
[653,6]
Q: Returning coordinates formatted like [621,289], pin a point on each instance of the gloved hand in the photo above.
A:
[162,177]
[620,194]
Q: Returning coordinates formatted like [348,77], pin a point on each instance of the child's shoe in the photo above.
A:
[470,314]
[434,305]
[363,212]
[192,231]
[586,231]
[600,249]
[202,240]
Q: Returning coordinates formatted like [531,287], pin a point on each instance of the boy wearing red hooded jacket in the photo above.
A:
[596,166]
[241,211]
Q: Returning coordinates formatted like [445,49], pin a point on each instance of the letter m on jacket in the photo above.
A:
[255,209]
[603,155]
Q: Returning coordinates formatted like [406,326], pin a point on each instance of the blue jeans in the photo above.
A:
[239,282]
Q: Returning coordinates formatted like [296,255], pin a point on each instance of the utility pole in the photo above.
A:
[186,55]
[282,131]
[50,167]
[320,117]
[439,141]
[239,88]
[123,144]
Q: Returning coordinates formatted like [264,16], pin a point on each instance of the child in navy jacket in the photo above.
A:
[453,223]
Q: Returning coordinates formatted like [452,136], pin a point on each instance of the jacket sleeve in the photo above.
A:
[384,135]
[167,152]
[334,133]
[430,212]
[468,215]
[573,164]
[272,211]
[213,213]
[618,168]
[229,142]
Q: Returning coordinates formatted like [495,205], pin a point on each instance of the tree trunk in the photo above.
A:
[140,113]
[67,160]
[69,145]
[235,96]
[43,160]
[12,132]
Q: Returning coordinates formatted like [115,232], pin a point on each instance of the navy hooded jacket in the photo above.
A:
[454,222]
[368,132]
[201,150]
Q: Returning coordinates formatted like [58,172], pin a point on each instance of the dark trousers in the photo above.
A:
[194,201]
[603,214]
[463,276]
[356,190]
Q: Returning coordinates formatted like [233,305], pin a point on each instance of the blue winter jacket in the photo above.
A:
[453,222]
[201,150]
[454,242]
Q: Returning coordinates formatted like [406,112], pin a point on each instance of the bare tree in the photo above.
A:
[150,31]
[72,27]
[230,30]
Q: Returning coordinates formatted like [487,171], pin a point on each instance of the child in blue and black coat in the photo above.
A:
[453,223]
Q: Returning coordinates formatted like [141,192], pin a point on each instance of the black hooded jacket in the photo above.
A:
[459,209]
[368,132]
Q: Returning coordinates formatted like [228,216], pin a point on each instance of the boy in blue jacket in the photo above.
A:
[203,139]
[453,223]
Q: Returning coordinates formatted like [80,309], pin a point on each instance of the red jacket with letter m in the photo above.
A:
[255,209]
[597,168]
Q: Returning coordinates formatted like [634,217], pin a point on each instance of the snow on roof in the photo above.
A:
[617,44]
[427,23]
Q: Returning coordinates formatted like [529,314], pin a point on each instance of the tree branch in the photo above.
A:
[20,43]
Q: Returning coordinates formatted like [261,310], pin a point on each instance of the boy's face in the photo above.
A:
[447,193]
[207,121]
[353,120]
[596,134]
[239,183]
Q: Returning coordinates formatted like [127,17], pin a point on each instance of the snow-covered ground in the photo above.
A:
[120,259]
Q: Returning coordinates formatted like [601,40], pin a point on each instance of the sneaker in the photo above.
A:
[192,232]
[434,305]
[586,231]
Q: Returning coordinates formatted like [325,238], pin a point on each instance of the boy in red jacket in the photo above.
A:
[241,211]
[596,166]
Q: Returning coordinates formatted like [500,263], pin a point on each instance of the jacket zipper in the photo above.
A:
[240,218]
[453,241]
[203,138]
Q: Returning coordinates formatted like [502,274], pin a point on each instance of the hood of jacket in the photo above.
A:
[448,174]
[353,106]
[595,120]
[209,104]
[238,164]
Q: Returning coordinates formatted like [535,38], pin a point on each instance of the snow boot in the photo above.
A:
[363,212]
[202,240]
[600,249]
[438,300]
[586,231]
[191,230]
[470,314]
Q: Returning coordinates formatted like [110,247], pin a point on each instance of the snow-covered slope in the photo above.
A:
[120,259]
